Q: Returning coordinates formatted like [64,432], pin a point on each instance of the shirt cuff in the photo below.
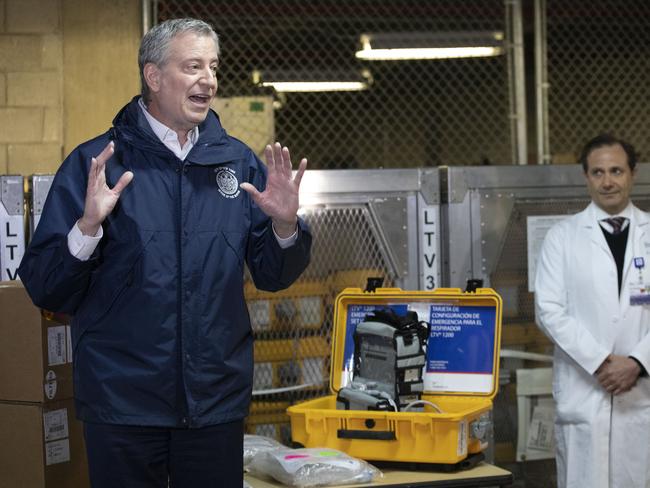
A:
[285,242]
[81,246]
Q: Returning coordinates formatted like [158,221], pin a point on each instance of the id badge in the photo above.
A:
[640,291]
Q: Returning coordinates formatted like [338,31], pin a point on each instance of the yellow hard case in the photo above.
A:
[415,437]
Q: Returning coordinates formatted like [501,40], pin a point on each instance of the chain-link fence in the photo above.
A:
[599,73]
[422,113]
[414,113]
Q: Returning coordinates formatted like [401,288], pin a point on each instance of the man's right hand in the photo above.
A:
[100,199]
[618,374]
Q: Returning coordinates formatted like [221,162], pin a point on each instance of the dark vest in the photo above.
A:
[617,244]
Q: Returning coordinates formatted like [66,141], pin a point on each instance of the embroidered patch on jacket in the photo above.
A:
[227,182]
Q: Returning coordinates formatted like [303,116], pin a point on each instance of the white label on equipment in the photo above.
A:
[536,228]
[56,345]
[465,382]
[69,342]
[55,424]
[49,386]
[57,452]
[462,438]
[12,241]
[412,374]
[429,247]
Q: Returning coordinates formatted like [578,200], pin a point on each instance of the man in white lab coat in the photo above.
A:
[592,298]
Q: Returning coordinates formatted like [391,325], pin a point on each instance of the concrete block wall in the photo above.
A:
[66,68]
[31,86]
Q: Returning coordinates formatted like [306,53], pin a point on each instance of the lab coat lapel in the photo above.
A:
[635,247]
[590,224]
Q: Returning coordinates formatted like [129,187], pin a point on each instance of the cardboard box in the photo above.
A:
[41,446]
[36,361]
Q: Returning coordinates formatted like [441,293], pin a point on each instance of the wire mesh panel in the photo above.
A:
[413,113]
[519,331]
[293,327]
[598,70]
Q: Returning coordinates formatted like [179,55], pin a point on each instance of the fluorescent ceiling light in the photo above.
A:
[315,86]
[429,45]
[303,81]
[427,53]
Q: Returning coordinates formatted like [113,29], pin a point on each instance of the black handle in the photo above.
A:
[381,435]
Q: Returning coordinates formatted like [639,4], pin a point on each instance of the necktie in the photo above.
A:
[616,223]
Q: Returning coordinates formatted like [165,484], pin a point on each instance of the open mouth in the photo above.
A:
[200,99]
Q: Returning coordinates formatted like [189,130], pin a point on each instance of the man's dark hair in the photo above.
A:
[603,140]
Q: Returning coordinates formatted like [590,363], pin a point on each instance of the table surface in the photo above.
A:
[482,475]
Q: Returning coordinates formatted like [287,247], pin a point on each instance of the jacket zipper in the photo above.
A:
[181,169]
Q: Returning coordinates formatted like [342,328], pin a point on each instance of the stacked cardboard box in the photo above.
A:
[41,442]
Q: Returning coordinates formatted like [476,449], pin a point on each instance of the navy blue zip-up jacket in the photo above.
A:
[160,330]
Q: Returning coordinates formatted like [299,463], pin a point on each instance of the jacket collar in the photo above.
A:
[213,146]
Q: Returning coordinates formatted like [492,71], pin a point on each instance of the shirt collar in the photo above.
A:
[600,214]
[164,133]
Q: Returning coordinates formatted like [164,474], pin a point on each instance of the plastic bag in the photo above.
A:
[304,468]
[254,444]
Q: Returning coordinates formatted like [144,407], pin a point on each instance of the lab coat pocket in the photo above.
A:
[574,392]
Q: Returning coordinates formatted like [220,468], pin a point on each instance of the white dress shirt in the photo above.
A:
[601,215]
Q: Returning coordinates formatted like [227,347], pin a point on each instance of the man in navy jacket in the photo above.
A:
[143,240]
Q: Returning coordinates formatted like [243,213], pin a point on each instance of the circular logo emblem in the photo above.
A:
[227,183]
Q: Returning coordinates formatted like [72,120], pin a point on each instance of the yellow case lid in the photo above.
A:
[462,355]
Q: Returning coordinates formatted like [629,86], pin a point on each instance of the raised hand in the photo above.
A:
[279,200]
[100,199]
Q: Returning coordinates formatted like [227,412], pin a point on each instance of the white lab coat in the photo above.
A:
[602,440]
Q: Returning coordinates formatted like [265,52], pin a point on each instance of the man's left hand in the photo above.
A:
[618,374]
[279,200]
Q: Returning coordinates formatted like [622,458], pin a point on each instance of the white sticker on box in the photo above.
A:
[462,438]
[49,385]
[310,311]
[55,424]
[541,430]
[260,314]
[56,345]
[68,335]
[262,376]
[57,452]
[312,371]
